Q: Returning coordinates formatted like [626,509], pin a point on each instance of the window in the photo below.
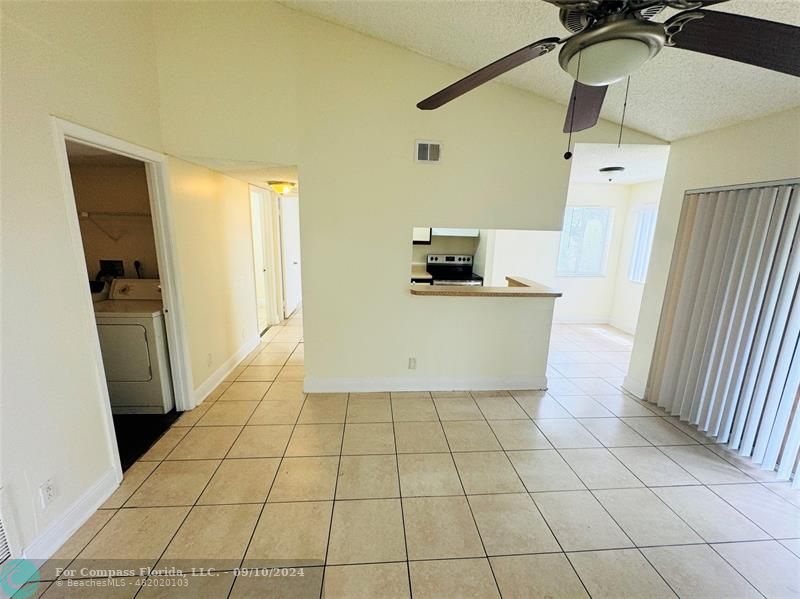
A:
[642,243]
[584,241]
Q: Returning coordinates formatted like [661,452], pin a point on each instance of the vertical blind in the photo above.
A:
[727,357]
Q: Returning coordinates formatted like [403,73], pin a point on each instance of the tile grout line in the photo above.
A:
[400,493]
[506,452]
[269,490]
[603,507]
[159,462]
[635,546]
[532,500]
[735,569]
[122,505]
[333,499]
[464,489]
[194,505]
[708,487]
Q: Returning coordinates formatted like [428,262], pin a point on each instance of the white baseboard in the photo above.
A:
[635,387]
[212,382]
[578,320]
[336,385]
[59,530]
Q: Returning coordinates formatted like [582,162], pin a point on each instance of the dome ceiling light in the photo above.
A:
[282,187]
[611,171]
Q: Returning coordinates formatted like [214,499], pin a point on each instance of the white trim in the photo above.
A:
[218,376]
[58,531]
[582,320]
[87,312]
[166,250]
[337,385]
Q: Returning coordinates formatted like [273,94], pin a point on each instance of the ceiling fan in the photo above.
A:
[613,38]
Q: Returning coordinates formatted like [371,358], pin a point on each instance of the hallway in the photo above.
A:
[580,490]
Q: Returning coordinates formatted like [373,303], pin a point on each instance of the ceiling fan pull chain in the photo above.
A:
[568,153]
[624,108]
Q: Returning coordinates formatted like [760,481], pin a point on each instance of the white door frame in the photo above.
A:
[156,167]
[279,202]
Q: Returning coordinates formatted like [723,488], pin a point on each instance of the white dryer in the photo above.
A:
[133,341]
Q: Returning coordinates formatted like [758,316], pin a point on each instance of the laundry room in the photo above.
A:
[119,243]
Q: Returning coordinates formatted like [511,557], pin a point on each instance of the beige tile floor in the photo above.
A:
[580,491]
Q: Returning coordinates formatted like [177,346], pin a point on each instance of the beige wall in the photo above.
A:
[127,238]
[228,74]
[352,123]
[765,149]
[249,82]
[627,294]
[212,226]
[503,170]
[91,63]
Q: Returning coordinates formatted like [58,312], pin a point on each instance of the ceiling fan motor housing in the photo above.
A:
[574,21]
[610,51]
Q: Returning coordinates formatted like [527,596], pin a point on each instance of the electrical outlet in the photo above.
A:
[412,363]
[210,360]
[47,492]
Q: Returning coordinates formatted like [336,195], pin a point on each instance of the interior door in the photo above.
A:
[260,237]
[290,246]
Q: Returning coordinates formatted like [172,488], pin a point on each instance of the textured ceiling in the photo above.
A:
[641,163]
[679,93]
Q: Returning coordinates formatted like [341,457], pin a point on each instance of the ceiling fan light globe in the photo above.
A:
[610,51]
[607,62]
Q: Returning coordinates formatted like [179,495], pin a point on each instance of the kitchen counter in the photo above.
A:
[419,271]
[517,287]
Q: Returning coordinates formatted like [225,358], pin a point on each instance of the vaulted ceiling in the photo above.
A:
[677,94]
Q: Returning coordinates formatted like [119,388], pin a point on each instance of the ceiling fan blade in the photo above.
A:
[489,72]
[585,103]
[767,44]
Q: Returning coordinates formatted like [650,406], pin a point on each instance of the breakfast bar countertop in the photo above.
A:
[517,287]
[418,271]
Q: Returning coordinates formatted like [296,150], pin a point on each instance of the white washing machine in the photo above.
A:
[133,341]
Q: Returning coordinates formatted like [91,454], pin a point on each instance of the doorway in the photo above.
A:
[263,212]
[290,252]
[116,201]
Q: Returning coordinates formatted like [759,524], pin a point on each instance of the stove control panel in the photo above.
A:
[455,259]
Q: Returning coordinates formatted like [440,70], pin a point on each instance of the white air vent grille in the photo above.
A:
[427,151]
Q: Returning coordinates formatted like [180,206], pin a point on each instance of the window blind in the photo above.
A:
[727,357]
